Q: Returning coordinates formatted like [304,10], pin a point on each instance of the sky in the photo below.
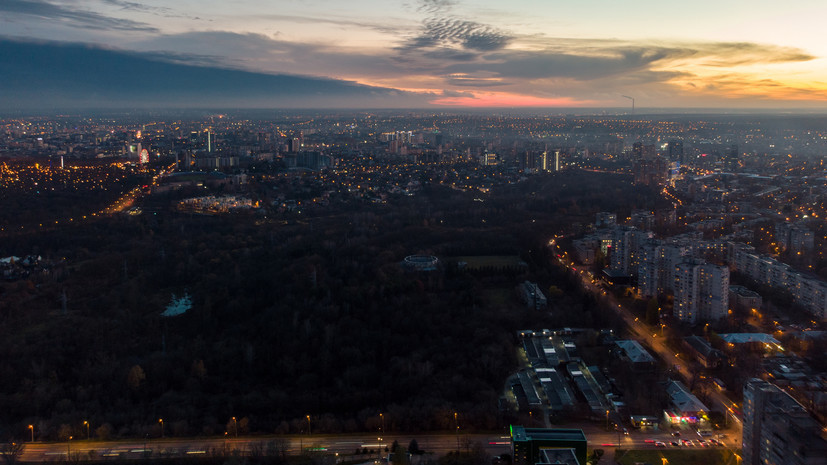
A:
[481,53]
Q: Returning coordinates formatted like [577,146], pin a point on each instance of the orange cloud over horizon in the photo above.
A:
[505,99]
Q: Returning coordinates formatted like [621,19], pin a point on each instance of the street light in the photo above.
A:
[607,419]
[68,447]
[456,423]
[235,425]
[87,429]
[161,421]
[309,430]
[31,427]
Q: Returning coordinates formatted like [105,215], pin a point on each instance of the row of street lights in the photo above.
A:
[85,423]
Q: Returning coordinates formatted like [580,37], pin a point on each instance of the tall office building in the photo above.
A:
[675,150]
[777,429]
[731,157]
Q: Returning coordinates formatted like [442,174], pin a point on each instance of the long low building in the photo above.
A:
[557,389]
[807,291]
[636,355]
[684,407]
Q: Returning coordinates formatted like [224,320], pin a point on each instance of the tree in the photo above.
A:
[11,451]
[413,448]
[652,310]
[136,377]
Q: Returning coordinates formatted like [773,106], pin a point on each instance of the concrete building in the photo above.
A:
[634,353]
[777,429]
[531,446]
[532,296]
[656,267]
[806,290]
[740,296]
[703,352]
[605,220]
[684,407]
[624,251]
[701,291]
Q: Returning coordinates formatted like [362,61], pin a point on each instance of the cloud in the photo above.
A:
[59,75]
[729,54]
[79,18]
[444,30]
[385,28]
[149,9]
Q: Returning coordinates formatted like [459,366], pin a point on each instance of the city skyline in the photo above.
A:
[445,54]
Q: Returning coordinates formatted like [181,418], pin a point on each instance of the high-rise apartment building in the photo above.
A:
[777,429]
[701,291]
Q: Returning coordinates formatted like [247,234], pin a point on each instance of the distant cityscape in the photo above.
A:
[636,288]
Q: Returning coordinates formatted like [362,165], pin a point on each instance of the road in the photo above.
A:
[439,444]
[656,342]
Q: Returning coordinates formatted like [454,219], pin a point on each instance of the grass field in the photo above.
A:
[675,457]
[481,261]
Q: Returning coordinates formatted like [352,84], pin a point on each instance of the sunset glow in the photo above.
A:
[523,53]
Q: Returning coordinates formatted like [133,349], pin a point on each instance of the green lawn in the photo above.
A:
[675,456]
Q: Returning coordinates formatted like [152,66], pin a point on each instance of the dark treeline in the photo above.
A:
[293,315]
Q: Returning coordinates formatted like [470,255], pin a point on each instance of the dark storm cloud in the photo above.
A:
[43,74]
[75,17]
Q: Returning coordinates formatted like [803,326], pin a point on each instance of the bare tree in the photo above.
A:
[11,452]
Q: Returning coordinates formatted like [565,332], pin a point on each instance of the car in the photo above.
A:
[702,443]
[660,444]
[649,441]
[675,443]
[625,431]
[676,434]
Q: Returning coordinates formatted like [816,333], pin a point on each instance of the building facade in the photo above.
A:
[777,429]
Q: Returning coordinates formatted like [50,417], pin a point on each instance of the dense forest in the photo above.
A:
[293,314]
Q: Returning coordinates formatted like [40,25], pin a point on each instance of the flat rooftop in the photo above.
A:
[521,433]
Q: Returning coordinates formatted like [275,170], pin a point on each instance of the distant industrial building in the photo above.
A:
[777,429]
[531,446]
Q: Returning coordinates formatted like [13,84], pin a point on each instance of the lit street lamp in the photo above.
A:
[68,447]
[456,423]
[161,421]
[87,429]
[235,425]
[31,427]
[309,431]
